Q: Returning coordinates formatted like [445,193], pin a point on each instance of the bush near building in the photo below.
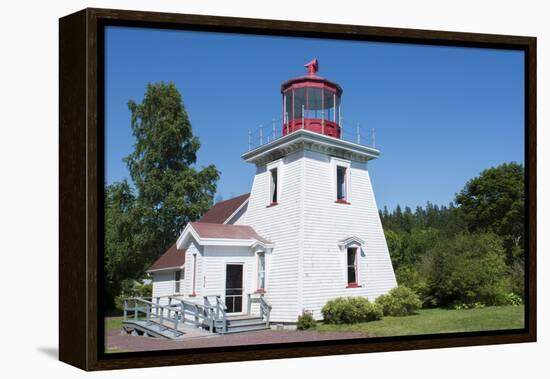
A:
[400,301]
[350,310]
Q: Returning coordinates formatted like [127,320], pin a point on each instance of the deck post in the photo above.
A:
[211,315]
[125,311]
[182,312]
[135,310]
[248,303]
[197,316]
[148,313]
[157,307]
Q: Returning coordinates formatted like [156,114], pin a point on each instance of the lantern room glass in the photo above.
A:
[311,103]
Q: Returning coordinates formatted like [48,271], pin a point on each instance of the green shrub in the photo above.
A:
[400,301]
[514,299]
[466,269]
[306,321]
[132,288]
[476,305]
[350,310]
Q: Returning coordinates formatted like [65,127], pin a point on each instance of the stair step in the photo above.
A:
[242,321]
[245,324]
[239,329]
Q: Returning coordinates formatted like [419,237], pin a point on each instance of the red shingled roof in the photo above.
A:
[171,258]
[221,211]
[211,225]
[230,231]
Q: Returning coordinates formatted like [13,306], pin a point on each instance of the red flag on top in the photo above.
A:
[312,67]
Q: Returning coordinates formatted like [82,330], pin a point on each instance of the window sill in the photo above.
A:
[272,205]
[353,285]
[342,202]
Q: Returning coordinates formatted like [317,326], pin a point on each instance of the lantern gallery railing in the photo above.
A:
[271,131]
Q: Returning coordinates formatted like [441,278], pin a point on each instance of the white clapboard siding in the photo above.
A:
[327,222]
[163,283]
[187,287]
[280,224]
[215,261]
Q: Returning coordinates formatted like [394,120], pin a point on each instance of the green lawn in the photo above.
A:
[113,323]
[429,321]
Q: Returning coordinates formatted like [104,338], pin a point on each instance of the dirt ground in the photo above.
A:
[115,342]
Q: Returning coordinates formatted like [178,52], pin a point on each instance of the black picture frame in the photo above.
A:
[81,141]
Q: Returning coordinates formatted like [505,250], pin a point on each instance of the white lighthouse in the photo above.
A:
[312,197]
[309,231]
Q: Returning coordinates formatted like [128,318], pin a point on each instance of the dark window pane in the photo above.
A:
[351,275]
[314,102]
[288,103]
[351,257]
[352,269]
[329,105]
[337,109]
[341,183]
[274,185]
[299,102]
[261,271]
[238,304]
[230,303]
[234,287]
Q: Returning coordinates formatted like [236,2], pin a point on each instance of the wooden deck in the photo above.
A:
[180,319]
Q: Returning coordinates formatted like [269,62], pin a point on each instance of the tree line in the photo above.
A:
[468,252]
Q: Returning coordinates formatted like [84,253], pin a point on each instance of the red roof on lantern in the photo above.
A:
[311,78]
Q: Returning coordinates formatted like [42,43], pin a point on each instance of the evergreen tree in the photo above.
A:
[169,191]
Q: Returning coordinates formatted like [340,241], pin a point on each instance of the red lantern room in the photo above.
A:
[311,102]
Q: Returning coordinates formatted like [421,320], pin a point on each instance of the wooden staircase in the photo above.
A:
[240,324]
[179,319]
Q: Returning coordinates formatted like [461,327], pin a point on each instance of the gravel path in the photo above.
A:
[116,342]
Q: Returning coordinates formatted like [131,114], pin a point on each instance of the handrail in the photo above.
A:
[269,132]
[206,315]
[221,309]
[200,315]
[265,307]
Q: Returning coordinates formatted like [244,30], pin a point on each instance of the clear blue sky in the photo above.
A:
[441,114]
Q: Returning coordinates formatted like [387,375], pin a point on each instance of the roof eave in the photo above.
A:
[166,268]
[304,136]
[237,210]
[190,232]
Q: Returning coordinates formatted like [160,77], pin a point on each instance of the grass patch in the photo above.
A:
[429,321]
[113,323]
[110,350]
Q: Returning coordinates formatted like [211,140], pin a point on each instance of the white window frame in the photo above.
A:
[263,254]
[335,163]
[277,165]
[355,266]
